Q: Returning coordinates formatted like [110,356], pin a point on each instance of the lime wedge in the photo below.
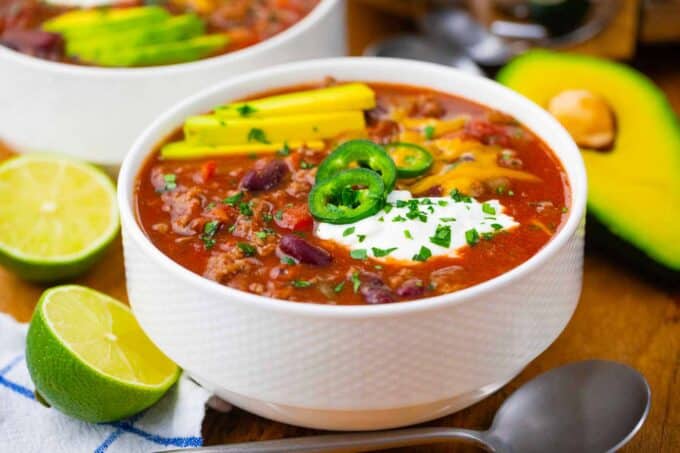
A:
[57,216]
[90,359]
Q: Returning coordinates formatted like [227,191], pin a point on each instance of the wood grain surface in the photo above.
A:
[620,316]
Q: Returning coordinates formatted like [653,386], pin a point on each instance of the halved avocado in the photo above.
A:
[634,184]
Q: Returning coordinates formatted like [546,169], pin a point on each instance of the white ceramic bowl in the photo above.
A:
[95,113]
[357,367]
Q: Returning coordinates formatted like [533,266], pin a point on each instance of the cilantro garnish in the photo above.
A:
[496,226]
[301,283]
[356,282]
[208,235]
[488,209]
[407,234]
[348,231]
[429,131]
[288,260]
[285,151]
[442,236]
[170,180]
[339,287]
[361,237]
[458,196]
[233,199]
[278,215]
[378,253]
[246,110]
[359,254]
[245,209]
[447,219]
[423,254]
[306,165]
[472,236]
[257,135]
[398,219]
[247,249]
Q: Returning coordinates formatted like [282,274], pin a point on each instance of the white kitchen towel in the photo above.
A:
[26,426]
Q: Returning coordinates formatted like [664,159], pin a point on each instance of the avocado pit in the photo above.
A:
[587,117]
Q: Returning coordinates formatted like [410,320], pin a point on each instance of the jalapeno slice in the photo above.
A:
[347,197]
[363,153]
[411,160]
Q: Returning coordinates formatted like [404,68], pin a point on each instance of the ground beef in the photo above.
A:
[427,106]
[185,208]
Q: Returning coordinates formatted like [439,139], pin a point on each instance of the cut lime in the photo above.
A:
[57,216]
[89,358]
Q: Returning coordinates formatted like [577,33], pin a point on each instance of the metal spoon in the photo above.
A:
[590,407]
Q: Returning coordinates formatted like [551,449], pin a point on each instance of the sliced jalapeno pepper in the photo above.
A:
[347,197]
[365,154]
[411,160]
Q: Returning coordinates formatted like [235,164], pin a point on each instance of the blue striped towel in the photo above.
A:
[27,427]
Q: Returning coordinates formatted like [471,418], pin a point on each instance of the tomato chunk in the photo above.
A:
[208,170]
[296,218]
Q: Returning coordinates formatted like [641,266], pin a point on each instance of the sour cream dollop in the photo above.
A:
[443,225]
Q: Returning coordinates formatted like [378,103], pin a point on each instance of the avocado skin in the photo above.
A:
[634,193]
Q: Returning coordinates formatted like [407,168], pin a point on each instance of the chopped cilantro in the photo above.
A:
[387,208]
[448,219]
[381,219]
[285,151]
[263,233]
[356,282]
[423,254]
[208,235]
[361,237]
[257,135]
[267,217]
[458,196]
[488,209]
[288,260]
[407,234]
[170,180]
[245,209]
[472,236]
[378,253]
[399,219]
[565,209]
[487,236]
[500,190]
[339,287]
[496,226]
[210,206]
[278,215]
[246,110]
[429,131]
[348,231]
[247,249]
[233,199]
[443,203]
[232,228]
[301,283]
[306,165]
[442,236]
[359,254]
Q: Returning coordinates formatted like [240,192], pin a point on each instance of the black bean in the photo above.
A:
[411,288]
[303,251]
[266,177]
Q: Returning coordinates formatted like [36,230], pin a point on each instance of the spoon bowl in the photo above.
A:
[593,406]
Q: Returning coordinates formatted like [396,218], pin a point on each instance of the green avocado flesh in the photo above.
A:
[634,188]
[174,29]
[143,36]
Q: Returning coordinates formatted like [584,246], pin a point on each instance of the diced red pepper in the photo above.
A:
[296,218]
[208,170]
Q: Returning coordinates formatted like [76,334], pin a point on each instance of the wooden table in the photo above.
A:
[620,316]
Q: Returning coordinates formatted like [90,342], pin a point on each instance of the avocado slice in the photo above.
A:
[160,54]
[176,28]
[634,186]
[89,23]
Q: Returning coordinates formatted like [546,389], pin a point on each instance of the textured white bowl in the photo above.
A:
[358,367]
[95,113]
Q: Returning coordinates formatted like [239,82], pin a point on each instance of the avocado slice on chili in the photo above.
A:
[411,160]
[347,197]
[160,54]
[634,184]
[176,28]
[359,153]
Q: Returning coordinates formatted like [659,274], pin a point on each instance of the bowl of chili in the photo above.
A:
[221,301]
[58,100]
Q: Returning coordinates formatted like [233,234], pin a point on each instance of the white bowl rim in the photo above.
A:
[295,30]
[128,173]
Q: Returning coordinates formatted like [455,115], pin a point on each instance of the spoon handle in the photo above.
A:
[358,442]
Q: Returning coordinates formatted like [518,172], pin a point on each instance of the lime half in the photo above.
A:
[89,358]
[57,216]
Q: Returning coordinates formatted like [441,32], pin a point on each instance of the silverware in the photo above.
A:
[594,406]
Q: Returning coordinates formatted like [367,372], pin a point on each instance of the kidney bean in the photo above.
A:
[303,251]
[375,294]
[411,288]
[34,42]
[266,177]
